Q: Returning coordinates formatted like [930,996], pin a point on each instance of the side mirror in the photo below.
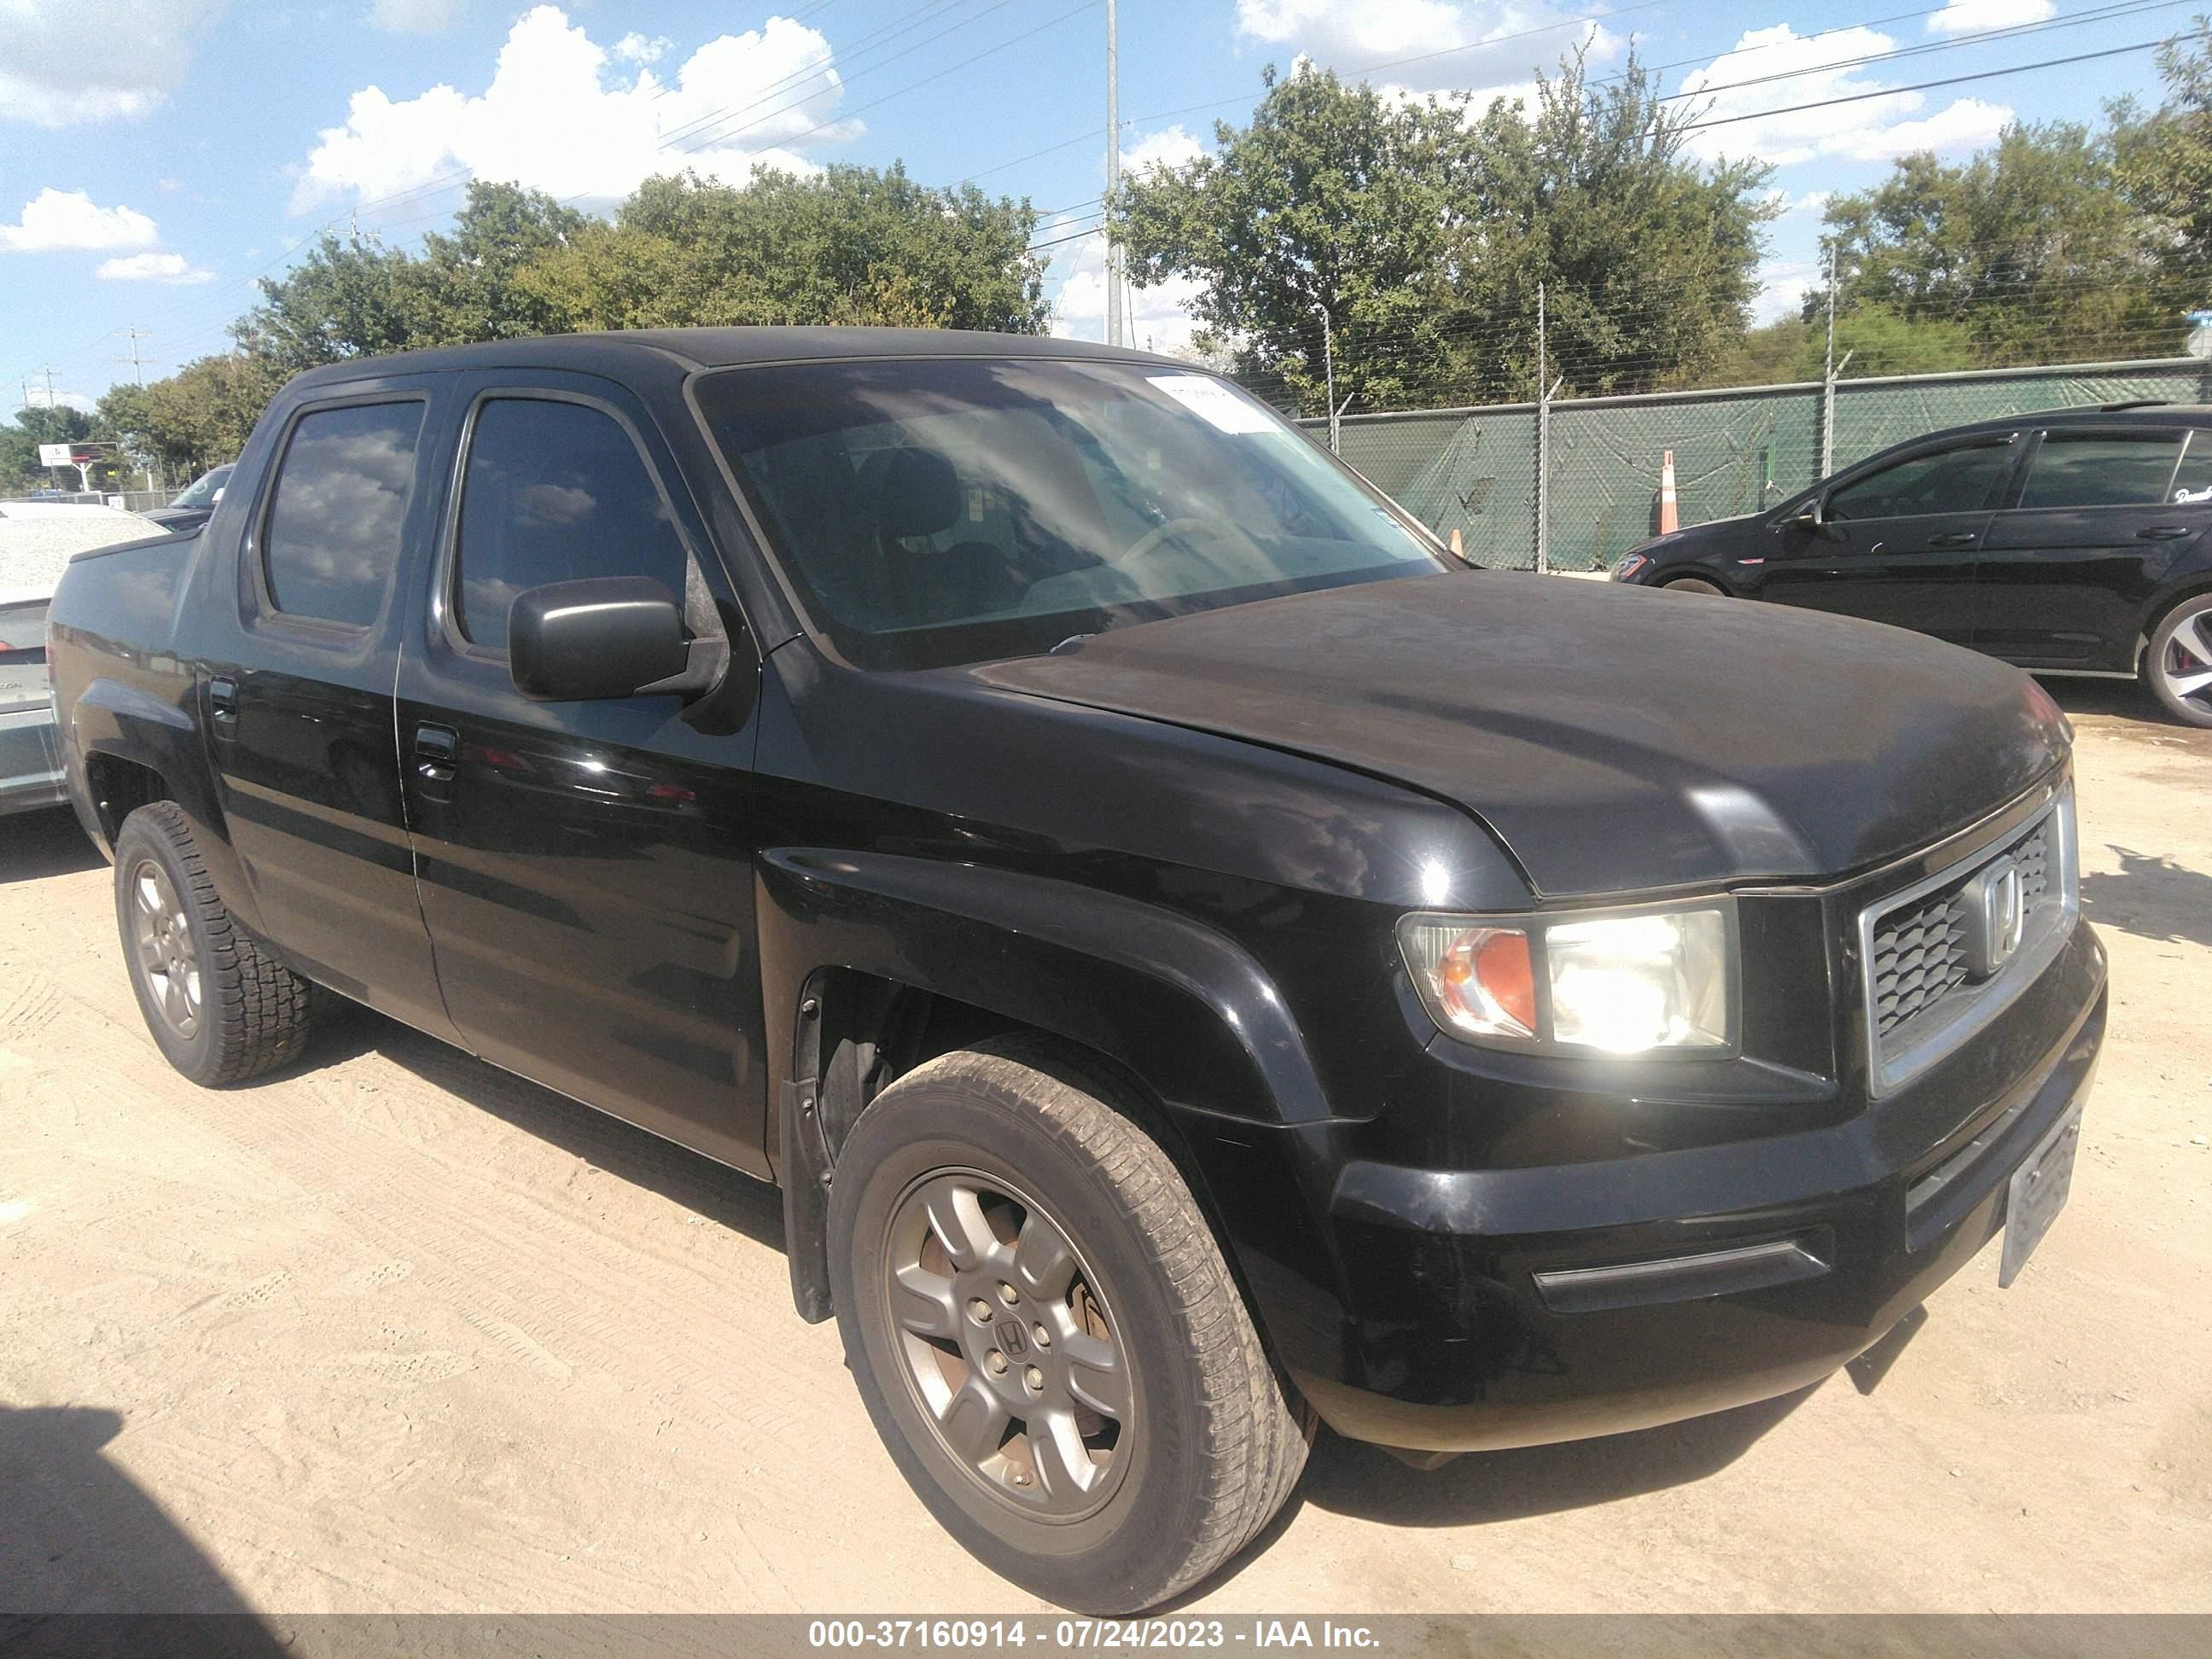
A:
[610,636]
[217,497]
[1810,517]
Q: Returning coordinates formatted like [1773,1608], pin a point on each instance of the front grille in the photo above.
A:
[1921,997]
[1920,948]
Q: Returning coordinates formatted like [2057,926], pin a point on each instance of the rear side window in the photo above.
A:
[554,492]
[2192,479]
[333,537]
[2097,469]
[1962,480]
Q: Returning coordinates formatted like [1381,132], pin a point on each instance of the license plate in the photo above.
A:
[2038,1193]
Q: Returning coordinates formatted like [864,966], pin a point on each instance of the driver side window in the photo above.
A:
[1966,478]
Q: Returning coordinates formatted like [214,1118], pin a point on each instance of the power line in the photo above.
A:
[1922,86]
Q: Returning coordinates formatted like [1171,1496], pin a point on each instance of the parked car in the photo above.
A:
[194,505]
[1198,962]
[30,747]
[2070,543]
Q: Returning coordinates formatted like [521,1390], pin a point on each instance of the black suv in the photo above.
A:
[2068,543]
[1198,962]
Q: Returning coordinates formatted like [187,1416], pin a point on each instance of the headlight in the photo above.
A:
[1624,983]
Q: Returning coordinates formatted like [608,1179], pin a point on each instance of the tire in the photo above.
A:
[2178,657]
[220,1006]
[1694,585]
[1206,1448]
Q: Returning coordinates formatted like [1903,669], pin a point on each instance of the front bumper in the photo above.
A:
[1492,1308]
[30,761]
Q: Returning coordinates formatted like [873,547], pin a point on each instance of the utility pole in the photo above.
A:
[1828,378]
[1328,372]
[156,475]
[1113,173]
[1542,446]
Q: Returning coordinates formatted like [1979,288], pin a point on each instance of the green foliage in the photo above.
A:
[851,245]
[200,415]
[2060,243]
[847,245]
[20,470]
[2163,161]
[1424,236]
[1648,259]
[1333,199]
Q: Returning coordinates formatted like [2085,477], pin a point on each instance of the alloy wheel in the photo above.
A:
[162,938]
[2185,662]
[1008,1345]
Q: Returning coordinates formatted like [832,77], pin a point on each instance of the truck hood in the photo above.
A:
[1613,738]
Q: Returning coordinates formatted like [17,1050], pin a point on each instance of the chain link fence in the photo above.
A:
[1736,450]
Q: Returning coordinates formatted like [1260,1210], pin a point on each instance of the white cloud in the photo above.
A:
[415,16]
[1499,46]
[1972,16]
[1172,146]
[550,119]
[172,268]
[1782,285]
[1871,128]
[65,63]
[55,220]
[634,48]
[40,398]
[1958,129]
[1159,317]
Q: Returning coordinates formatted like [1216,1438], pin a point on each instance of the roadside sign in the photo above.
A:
[55,455]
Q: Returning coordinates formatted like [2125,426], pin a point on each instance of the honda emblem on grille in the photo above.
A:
[1996,916]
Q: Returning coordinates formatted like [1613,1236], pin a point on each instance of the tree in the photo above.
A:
[2164,160]
[56,423]
[2028,253]
[1425,236]
[202,416]
[849,245]
[1334,200]
[1647,257]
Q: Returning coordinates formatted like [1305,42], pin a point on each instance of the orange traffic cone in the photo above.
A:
[1670,517]
[1459,550]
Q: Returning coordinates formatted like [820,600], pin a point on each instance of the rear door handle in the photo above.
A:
[2165,532]
[1955,538]
[435,749]
[222,705]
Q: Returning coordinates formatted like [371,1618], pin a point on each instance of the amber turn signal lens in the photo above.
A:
[1486,973]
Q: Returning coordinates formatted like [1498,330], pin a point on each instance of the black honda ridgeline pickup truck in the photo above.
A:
[1198,962]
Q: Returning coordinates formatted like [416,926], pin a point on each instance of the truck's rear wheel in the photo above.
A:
[1045,1334]
[219,1005]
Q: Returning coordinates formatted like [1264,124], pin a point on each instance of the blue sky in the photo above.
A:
[156,155]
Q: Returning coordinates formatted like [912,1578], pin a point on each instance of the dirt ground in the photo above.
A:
[395,1332]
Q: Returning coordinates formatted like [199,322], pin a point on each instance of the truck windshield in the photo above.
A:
[203,488]
[949,510]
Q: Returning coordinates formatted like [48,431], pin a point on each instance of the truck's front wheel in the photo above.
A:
[1046,1334]
[219,1005]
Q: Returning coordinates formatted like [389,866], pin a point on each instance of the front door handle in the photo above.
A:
[435,749]
[1955,538]
[2164,532]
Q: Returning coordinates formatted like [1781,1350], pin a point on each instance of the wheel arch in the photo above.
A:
[876,963]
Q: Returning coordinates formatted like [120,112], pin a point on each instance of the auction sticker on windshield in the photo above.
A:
[1213,403]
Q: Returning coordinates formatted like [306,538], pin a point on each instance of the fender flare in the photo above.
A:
[113,717]
[1189,1014]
